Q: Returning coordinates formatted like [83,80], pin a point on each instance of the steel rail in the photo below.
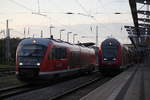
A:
[76,88]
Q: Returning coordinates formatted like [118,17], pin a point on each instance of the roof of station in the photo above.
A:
[139,34]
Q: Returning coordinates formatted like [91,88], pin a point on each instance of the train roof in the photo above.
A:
[46,41]
[111,41]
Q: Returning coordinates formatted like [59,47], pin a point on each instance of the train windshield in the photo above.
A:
[32,51]
[110,52]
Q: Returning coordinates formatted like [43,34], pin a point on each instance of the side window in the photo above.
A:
[58,53]
[64,53]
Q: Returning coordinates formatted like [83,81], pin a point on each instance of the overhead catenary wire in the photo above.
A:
[91,16]
[10,13]
[82,7]
[21,5]
[60,6]
[79,3]
[66,26]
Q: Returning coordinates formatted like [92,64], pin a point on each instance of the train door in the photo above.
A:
[50,62]
[75,58]
[59,56]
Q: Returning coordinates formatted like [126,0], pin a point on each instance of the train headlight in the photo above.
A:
[105,58]
[34,41]
[114,58]
[20,63]
[38,64]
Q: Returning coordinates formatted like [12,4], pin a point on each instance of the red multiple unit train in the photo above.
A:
[39,58]
[47,58]
[113,56]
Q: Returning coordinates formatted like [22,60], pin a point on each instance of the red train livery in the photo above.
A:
[47,57]
[113,56]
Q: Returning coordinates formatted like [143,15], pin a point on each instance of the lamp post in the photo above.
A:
[51,30]
[68,36]
[74,37]
[96,35]
[60,32]
[41,33]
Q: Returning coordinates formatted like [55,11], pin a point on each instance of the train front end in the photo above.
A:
[29,57]
[110,55]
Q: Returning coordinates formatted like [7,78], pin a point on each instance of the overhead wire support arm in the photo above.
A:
[38,6]
[39,12]
[87,13]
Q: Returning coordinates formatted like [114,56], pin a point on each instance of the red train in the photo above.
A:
[48,58]
[113,56]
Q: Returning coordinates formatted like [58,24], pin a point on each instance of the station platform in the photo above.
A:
[132,84]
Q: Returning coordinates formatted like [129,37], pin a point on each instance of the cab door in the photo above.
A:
[49,62]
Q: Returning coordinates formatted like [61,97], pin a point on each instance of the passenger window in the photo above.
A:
[64,53]
[59,53]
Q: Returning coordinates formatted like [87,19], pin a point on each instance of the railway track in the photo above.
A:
[16,90]
[67,92]
[59,90]
[6,71]
[10,91]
